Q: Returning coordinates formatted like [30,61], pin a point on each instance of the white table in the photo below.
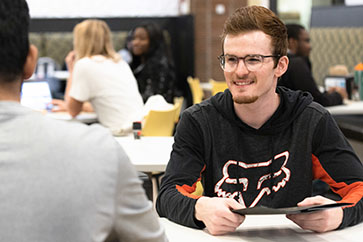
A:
[84,117]
[350,108]
[148,154]
[263,228]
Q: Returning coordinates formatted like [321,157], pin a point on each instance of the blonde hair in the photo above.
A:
[93,37]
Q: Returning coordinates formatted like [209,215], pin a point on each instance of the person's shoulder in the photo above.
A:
[84,64]
[84,61]
[122,63]
[317,108]
[93,60]
[296,60]
[198,108]
[85,136]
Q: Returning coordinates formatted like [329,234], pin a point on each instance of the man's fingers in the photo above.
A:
[318,225]
[307,216]
[235,218]
[317,200]
[321,221]
[233,204]
[222,226]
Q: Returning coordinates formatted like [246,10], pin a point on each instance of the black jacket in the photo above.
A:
[299,77]
[272,166]
[155,76]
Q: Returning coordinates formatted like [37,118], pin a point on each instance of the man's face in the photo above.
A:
[247,86]
[303,46]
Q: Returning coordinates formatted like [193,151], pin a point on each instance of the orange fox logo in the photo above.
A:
[283,173]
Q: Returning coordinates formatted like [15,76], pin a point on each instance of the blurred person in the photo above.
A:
[151,62]
[256,144]
[299,75]
[99,75]
[125,52]
[60,181]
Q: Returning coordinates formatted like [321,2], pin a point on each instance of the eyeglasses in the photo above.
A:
[229,63]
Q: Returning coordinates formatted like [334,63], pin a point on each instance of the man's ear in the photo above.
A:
[281,66]
[31,62]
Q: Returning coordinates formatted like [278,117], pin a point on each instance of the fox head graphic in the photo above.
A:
[255,178]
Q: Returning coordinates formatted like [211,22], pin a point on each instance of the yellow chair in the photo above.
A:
[217,86]
[178,102]
[160,123]
[197,91]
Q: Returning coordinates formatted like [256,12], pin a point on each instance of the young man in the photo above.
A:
[256,144]
[299,76]
[60,181]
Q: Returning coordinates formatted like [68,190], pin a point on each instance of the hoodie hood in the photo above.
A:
[292,104]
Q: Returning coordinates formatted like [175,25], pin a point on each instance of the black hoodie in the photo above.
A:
[272,166]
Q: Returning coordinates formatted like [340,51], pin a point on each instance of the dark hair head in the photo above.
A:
[156,37]
[158,47]
[14,42]
[253,18]
[293,31]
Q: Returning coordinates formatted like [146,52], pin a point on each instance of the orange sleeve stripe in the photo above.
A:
[349,193]
[188,190]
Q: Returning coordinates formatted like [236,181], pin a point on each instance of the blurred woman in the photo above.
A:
[151,62]
[100,76]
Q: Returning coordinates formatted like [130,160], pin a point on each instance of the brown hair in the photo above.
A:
[93,37]
[252,18]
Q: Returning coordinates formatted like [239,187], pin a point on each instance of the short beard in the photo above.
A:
[245,100]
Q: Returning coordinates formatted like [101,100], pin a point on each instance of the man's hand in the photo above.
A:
[321,221]
[342,91]
[217,215]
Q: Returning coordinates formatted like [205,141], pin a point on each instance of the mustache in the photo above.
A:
[244,77]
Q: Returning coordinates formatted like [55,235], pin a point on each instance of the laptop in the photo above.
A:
[36,95]
[340,81]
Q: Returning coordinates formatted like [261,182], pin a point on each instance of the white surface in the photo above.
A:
[61,75]
[148,154]
[262,228]
[347,109]
[105,8]
[206,86]
[353,2]
[83,117]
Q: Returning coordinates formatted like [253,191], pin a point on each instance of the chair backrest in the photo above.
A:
[160,123]
[178,102]
[45,67]
[217,86]
[197,91]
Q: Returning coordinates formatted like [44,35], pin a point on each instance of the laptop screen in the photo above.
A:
[36,95]
[334,81]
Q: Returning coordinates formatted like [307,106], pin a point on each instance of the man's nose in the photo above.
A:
[241,68]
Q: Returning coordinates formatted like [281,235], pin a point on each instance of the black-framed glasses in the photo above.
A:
[229,63]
